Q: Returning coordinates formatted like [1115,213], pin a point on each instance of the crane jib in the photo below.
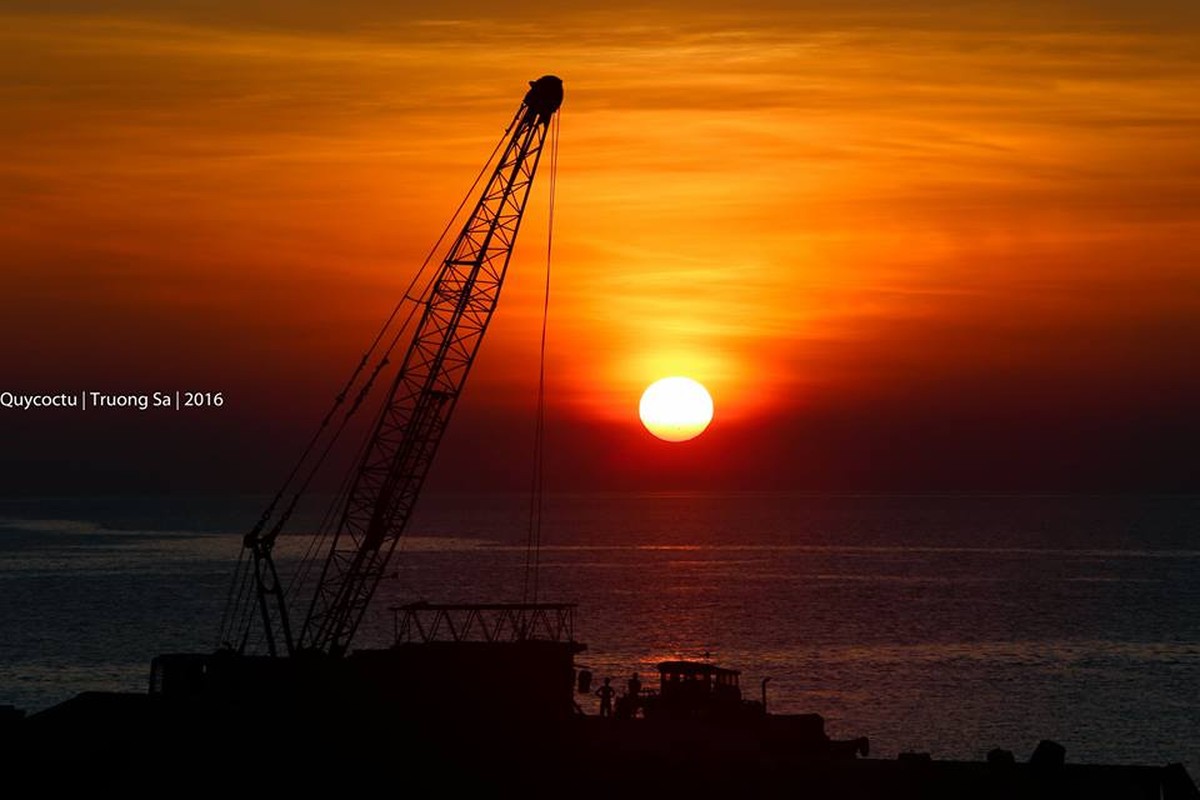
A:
[455,314]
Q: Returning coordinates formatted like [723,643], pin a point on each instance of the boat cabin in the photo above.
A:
[696,689]
[695,679]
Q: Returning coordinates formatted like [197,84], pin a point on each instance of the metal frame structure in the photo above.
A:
[455,314]
[486,622]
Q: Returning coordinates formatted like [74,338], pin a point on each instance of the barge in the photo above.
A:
[486,699]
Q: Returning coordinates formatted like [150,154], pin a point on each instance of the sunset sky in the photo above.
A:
[908,247]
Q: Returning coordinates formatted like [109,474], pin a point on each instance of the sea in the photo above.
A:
[948,625]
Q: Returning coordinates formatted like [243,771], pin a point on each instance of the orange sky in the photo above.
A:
[951,247]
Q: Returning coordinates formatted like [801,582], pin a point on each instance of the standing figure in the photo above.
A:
[606,693]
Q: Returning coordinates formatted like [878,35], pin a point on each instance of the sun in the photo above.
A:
[676,409]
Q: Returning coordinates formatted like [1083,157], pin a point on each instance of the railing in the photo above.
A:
[491,622]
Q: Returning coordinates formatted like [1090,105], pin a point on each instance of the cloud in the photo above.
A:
[804,207]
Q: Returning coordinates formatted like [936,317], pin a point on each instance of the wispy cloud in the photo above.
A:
[740,193]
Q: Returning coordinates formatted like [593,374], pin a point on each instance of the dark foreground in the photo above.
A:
[142,744]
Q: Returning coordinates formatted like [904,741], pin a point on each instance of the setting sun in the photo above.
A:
[676,409]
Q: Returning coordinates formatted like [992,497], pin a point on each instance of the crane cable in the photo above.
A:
[304,571]
[533,542]
[238,605]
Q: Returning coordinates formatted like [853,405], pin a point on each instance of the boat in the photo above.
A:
[486,699]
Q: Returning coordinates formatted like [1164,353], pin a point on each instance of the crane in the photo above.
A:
[452,316]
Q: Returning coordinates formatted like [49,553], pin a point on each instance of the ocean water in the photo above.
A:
[948,625]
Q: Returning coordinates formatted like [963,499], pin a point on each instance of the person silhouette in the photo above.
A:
[605,693]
